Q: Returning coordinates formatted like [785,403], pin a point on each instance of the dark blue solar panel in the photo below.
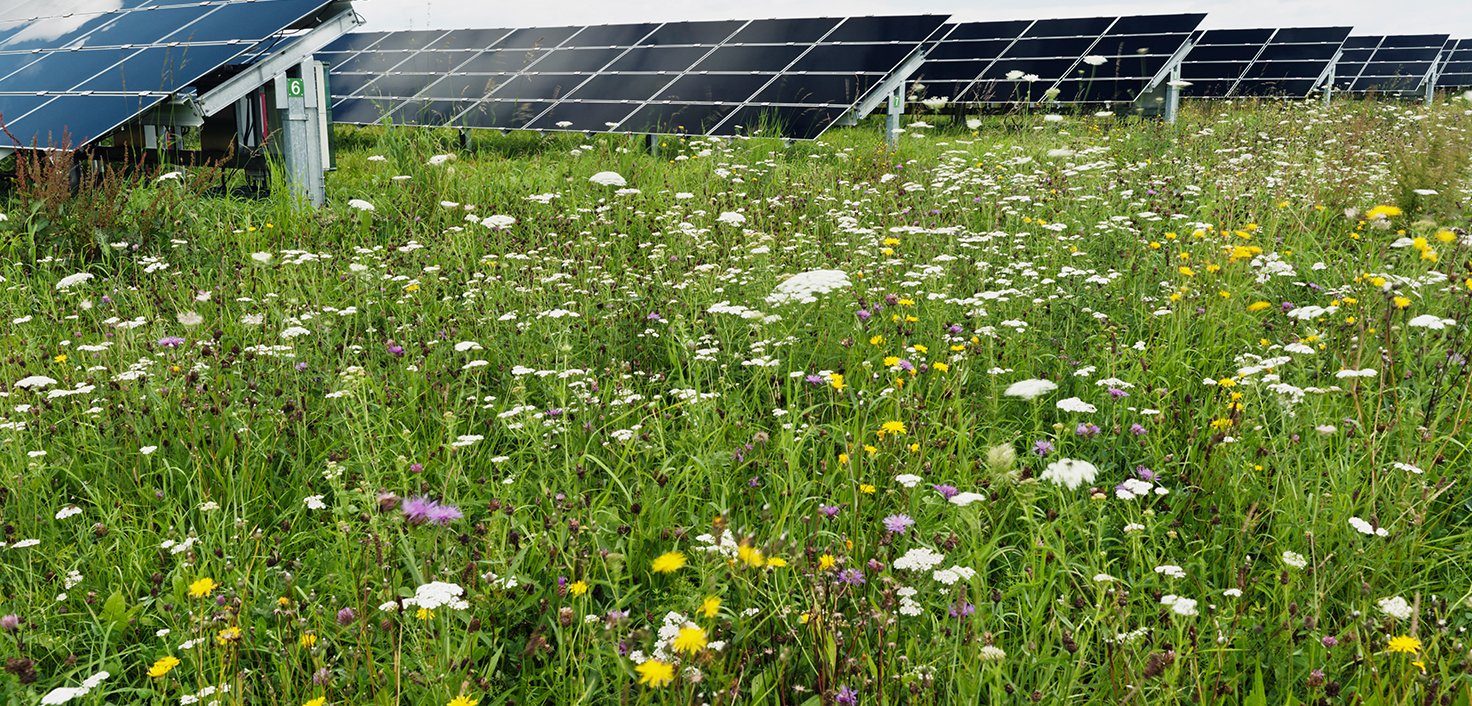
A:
[73,121]
[611,77]
[998,62]
[1261,62]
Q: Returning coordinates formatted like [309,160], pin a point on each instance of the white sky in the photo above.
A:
[1367,16]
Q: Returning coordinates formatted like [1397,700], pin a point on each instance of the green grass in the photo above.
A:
[566,385]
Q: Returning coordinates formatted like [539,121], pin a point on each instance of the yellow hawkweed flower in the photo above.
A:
[836,380]
[827,562]
[1401,302]
[1405,644]
[228,635]
[668,563]
[866,488]
[202,587]
[307,640]
[710,607]
[750,556]
[1258,306]
[1382,211]
[319,701]
[163,666]
[655,673]
[463,700]
[577,588]
[690,639]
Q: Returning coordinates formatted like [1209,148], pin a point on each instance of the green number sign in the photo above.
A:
[295,87]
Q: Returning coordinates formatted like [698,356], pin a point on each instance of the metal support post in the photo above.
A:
[892,116]
[1173,95]
[652,142]
[301,101]
[464,140]
[1329,83]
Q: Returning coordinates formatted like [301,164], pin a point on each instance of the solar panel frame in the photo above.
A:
[1054,51]
[1388,64]
[1455,71]
[1262,62]
[695,56]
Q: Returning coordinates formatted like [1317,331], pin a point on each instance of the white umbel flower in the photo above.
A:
[1070,473]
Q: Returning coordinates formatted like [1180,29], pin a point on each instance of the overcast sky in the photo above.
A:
[1367,16]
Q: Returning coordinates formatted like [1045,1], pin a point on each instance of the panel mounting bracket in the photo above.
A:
[298,50]
[892,87]
[1162,95]
[1328,77]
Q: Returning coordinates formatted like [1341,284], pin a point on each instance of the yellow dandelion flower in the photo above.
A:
[463,700]
[228,635]
[827,562]
[1401,302]
[1258,306]
[843,459]
[776,562]
[577,588]
[867,488]
[1382,211]
[202,587]
[891,427]
[319,701]
[668,563]
[836,380]
[308,640]
[1405,644]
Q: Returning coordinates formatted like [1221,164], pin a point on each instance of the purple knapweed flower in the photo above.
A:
[898,524]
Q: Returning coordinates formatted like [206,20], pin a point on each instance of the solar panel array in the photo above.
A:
[1085,60]
[1456,67]
[1387,64]
[67,80]
[712,78]
[1261,62]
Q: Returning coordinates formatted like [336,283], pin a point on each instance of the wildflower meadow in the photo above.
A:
[1030,409]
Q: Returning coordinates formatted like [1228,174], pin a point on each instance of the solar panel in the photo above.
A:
[1395,64]
[1261,62]
[67,80]
[796,76]
[1078,60]
[1456,67]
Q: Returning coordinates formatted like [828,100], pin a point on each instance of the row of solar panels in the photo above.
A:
[86,73]
[803,75]
[70,79]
